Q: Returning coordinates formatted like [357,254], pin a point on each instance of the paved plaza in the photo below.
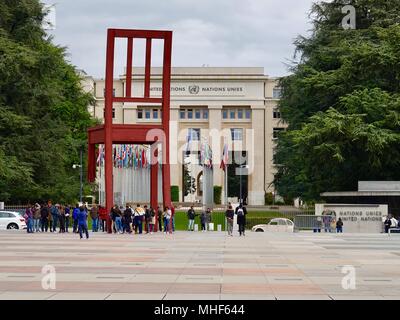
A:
[195,265]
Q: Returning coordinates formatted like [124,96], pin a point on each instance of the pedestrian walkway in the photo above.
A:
[195,265]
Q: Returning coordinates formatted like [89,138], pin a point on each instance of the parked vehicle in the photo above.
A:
[275,225]
[12,220]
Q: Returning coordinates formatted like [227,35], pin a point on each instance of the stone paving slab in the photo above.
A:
[198,266]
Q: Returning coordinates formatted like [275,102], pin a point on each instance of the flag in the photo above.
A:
[225,157]
[206,155]
[188,140]
[144,160]
[99,156]
[136,161]
[115,156]
[126,156]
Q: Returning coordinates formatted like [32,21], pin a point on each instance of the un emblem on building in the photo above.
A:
[194,89]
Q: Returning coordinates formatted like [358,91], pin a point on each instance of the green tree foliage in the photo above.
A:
[342,102]
[43,110]
[188,181]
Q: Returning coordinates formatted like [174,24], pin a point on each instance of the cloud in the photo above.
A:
[217,33]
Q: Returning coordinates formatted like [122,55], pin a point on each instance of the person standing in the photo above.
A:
[55,213]
[339,226]
[117,218]
[172,218]
[114,214]
[167,216]
[94,214]
[29,219]
[139,214]
[36,218]
[241,212]
[103,218]
[128,219]
[67,215]
[50,218]
[387,224]
[191,214]
[230,214]
[209,220]
[327,222]
[160,219]
[152,220]
[203,220]
[147,218]
[75,214]
[82,222]
[44,217]
[62,219]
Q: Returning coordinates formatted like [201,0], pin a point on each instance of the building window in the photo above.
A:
[182,114]
[205,114]
[224,114]
[190,113]
[277,113]
[113,113]
[194,134]
[104,92]
[248,114]
[276,93]
[277,131]
[237,134]
[147,114]
[232,114]
[140,114]
[240,114]
[197,114]
[155,114]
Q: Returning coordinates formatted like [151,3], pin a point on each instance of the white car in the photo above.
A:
[275,225]
[11,220]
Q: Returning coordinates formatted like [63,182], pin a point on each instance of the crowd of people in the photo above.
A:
[60,218]
[49,217]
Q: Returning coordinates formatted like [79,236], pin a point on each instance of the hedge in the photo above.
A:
[175,193]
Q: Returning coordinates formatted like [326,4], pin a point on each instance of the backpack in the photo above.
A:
[240,212]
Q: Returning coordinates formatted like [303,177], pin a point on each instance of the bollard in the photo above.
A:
[219,228]
[211,226]
[196,227]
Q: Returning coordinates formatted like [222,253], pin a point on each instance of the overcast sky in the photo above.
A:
[218,33]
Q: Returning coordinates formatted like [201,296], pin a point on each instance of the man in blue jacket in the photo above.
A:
[82,222]
[54,213]
[75,218]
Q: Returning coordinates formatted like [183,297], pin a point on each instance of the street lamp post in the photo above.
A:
[80,175]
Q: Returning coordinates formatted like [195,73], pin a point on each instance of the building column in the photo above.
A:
[175,158]
[255,147]
[215,121]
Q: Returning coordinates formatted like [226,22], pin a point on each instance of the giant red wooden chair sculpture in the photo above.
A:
[109,133]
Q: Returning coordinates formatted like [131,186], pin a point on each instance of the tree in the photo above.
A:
[342,102]
[43,110]
[188,180]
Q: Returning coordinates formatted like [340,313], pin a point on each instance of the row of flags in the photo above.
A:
[134,156]
[206,153]
[126,156]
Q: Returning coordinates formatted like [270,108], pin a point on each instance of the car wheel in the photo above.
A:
[259,230]
[12,226]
